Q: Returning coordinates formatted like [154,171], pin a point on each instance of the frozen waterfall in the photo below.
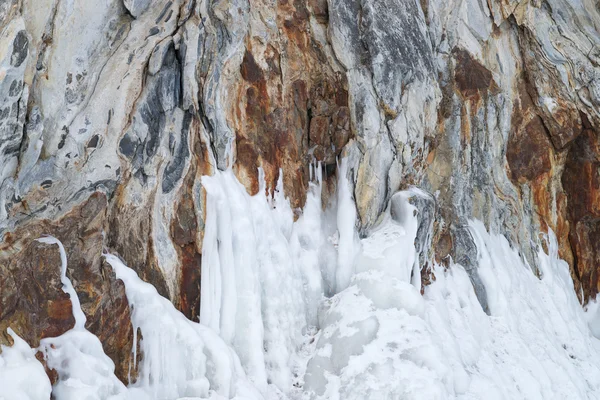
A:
[306,309]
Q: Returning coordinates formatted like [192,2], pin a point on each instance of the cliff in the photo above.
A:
[112,111]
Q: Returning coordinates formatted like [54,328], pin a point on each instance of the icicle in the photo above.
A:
[210,285]
[320,175]
[231,248]
[346,222]
[67,285]
[262,182]
[181,358]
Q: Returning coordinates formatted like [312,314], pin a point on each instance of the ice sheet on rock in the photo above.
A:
[84,370]
[180,358]
[381,339]
[67,285]
[22,376]
[261,275]
[390,247]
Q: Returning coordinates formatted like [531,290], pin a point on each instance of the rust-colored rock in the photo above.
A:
[528,152]
[581,181]
[555,105]
[585,238]
[31,296]
[293,106]
[319,9]
[471,77]
[184,231]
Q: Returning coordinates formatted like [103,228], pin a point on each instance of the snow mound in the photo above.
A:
[381,339]
[22,376]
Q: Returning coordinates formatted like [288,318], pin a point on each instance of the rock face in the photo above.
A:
[110,113]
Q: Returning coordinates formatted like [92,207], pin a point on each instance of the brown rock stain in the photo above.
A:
[581,181]
[293,107]
[471,77]
[38,307]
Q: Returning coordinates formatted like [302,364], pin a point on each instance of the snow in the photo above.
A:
[306,310]
[22,377]
[593,317]
[388,341]
[85,372]
[390,246]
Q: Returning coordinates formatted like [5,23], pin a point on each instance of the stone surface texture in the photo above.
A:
[111,112]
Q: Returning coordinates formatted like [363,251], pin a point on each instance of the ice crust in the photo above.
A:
[306,309]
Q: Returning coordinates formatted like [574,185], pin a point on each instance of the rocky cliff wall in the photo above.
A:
[111,111]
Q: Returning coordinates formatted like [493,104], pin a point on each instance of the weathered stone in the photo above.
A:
[279,112]
[137,7]
[528,152]
[319,10]
[32,301]
[581,181]
[471,77]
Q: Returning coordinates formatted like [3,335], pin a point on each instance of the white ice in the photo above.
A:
[22,376]
[84,371]
[261,276]
[180,358]
[382,339]
[306,310]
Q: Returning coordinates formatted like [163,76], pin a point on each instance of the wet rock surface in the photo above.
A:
[110,113]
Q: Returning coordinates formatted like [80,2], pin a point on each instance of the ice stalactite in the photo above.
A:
[254,289]
[274,325]
[180,358]
[346,221]
[266,276]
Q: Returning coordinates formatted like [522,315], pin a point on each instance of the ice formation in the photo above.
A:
[308,310]
[84,371]
[22,377]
